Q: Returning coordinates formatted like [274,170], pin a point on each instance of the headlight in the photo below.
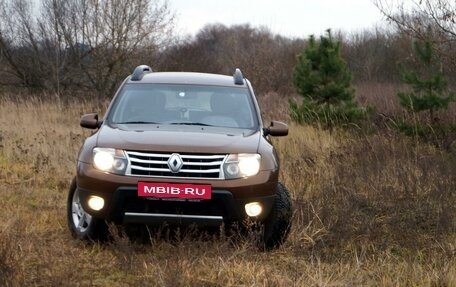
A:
[110,160]
[241,165]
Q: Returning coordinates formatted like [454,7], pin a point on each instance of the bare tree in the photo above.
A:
[414,15]
[417,16]
[88,44]
[374,54]
[265,58]
[18,42]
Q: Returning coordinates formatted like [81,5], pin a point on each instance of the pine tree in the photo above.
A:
[430,91]
[323,79]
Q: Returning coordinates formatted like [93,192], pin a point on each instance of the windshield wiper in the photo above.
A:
[136,122]
[190,124]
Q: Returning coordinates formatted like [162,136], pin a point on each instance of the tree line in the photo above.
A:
[88,46]
[71,45]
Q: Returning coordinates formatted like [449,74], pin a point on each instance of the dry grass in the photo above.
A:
[370,210]
[384,98]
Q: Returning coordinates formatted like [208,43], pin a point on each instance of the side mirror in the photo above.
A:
[277,129]
[90,121]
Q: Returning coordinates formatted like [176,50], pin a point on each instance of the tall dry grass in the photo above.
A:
[383,96]
[370,210]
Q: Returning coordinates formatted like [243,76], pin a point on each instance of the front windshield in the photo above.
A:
[184,105]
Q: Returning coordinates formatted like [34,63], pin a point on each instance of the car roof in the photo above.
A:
[187,78]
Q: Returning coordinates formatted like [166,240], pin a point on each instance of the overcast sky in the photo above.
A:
[292,18]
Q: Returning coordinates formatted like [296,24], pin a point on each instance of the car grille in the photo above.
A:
[193,165]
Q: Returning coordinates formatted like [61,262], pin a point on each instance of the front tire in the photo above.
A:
[278,223]
[82,225]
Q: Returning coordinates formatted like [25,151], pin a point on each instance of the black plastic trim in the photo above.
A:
[125,200]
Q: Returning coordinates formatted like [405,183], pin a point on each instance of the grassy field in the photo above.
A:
[371,209]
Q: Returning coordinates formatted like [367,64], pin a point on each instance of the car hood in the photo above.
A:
[168,138]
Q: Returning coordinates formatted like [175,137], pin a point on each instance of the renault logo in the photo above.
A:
[175,162]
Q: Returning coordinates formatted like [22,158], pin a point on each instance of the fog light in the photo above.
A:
[253,209]
[96,203]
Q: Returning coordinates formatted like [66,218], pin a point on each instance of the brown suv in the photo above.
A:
[180,149]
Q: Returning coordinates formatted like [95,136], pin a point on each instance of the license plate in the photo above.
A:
[174,190]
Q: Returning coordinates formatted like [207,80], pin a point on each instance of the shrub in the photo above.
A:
[429,90]
[323,79]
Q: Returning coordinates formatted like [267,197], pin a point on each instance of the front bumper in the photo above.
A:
[123,205]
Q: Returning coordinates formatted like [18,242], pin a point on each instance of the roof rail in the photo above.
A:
[139,72]
[238,77]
